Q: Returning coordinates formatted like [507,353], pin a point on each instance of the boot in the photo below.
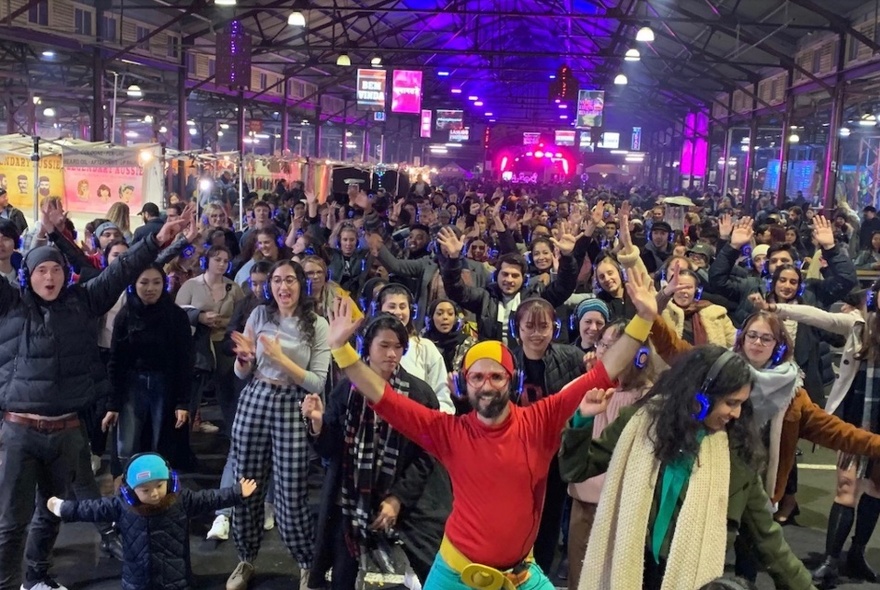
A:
[840,521]
[866,520]
[856,565]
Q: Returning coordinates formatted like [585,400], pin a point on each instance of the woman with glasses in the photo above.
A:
[215,218]
[781,404]
[284,351]
[854,398]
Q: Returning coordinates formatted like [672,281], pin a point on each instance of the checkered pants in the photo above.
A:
[269,436]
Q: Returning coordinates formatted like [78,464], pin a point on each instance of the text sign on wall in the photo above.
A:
[371,90]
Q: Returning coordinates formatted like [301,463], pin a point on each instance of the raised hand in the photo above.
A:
[451,243]
[245,348]
[758,302]
[641,293]
[742,233]
[342,323]
[598,213]
[566,240]
[823,233]
[172,228]
[595,402]
[725,226]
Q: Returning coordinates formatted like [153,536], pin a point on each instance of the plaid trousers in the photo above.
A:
[269,437]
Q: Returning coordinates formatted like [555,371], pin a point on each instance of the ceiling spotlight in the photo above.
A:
[193,131]
[562,105]
[443,73]
[632,55]
[552,76]
[491,120]
[868,120]
[479,103]
[48,54]
[224,2]
[219,134]
[489,114]
[148,118]
[134,91]
[645,35]
[131,134]
[472,98]
[37,100]
[844,131]
[563,116]
[191,123]
[376,61]
[343,60]
[49,112]
[456,91]
[296,19]
[794,138]
[620,80]
[163,129]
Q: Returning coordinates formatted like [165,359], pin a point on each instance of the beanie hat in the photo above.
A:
[107,225]
[760,250]
[146,468]
[592,304]
[492,350]
[42,254]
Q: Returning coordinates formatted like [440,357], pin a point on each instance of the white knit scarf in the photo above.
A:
[616,551]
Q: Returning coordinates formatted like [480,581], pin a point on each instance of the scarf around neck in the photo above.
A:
[616,550]
[369,463]
[773,389]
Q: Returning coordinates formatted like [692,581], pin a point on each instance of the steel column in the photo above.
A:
[285,121]
[784,144]
[317,147]
[181,124]
[97,114]
[240,118]
[750,160]
[838,99]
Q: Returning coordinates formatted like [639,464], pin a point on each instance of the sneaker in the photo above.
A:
[269,519]
[96,464]
[46,583]
[304,579]
[240,577]
[207,428]
[220,528]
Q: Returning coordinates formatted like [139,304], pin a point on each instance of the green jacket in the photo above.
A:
[581,458]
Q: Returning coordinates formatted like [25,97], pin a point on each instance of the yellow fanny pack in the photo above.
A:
[484,577]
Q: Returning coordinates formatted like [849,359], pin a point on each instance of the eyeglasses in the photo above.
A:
[314,273]
[496,380]
[289,281]
[764,339]
[604,345]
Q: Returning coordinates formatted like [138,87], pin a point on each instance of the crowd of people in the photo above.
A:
[489,380]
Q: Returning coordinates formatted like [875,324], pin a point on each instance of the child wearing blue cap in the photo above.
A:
[152,514]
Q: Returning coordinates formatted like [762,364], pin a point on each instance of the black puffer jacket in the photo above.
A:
[155,539]
[563,363]
[49,361]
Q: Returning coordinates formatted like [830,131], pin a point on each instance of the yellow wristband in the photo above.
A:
[345,356]
[638,329]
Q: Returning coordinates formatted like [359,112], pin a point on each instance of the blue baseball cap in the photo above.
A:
[146,468]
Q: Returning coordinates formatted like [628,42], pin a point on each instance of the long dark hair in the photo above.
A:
[384,321]
[871,332]
[771,292]
[671,405]
[305,307]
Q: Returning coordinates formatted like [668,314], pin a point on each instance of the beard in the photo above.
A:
[496,405]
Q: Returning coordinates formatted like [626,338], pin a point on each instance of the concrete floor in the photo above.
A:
[79,565]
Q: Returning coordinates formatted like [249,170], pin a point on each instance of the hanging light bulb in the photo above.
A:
[134,91]
[632,55]
[868,120]
[224,2]
[620,80]
[844,131]
[343,60]
[376,61]
[645,35]
[296,19]
[794,137]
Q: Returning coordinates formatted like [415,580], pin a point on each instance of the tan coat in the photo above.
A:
[719,328]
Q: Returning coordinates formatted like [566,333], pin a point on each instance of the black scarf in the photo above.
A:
[447,343]
[369,463]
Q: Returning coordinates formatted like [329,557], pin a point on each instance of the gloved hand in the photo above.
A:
[54,505]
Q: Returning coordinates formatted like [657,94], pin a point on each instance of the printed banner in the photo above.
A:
[590,106]
[564,137]
[636,143]
[17,177]
[531,138]
[406,92]
[449,119]
[371,90]
[92,184]
[425,128]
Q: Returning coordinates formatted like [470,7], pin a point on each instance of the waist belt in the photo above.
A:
[42,425]
[484,577]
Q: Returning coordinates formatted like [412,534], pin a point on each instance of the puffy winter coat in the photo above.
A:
[49,361]
[719,329]
[155,539]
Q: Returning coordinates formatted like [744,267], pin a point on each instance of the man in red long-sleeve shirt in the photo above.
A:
[497,456]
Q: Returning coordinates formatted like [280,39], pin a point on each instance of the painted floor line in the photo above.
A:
[817,467]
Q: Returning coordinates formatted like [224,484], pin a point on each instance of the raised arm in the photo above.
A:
[470,298]
[841,269]
[839,323]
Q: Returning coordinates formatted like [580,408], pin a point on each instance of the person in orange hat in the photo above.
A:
[500,451]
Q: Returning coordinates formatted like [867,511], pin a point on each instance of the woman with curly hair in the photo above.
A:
[691,444]
[285,353]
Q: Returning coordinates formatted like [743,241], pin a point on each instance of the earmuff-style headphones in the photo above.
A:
[168,286]
[597,288]
[203,261]
[24,274]
[701,398]
[459,322]
[377,302]
[871,299]
[513,329]
[370,332]
[802,284]
[515,387]
[130,496]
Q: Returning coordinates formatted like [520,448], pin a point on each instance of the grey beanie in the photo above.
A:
[42,254]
